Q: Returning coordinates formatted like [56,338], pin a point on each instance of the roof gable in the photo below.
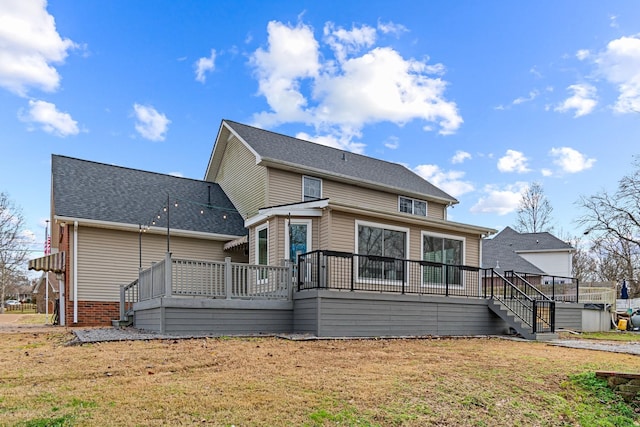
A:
[531,241]
[501,251]
[96,191]
[277,150]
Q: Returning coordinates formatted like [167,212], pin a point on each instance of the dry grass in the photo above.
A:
[267,381]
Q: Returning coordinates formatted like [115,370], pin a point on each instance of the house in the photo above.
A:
[546,262]
[45,299]
[281,235]
[111,221]
[535,253]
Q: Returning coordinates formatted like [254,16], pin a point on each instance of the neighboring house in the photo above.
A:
[532,253]
[42,296]
[111,220]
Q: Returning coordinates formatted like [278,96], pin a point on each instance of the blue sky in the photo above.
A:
[480,98]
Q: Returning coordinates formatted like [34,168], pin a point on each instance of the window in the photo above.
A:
[442,250]
[311,188]
[262,248]
[381,243]
[412,206]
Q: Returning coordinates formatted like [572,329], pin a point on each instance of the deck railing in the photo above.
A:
[344,270]
[558,288]
[211,279]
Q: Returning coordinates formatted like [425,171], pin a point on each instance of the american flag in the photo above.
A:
[47,246]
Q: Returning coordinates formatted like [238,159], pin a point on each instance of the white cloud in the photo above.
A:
[340,142]
[391,28]
[460,156]
[29,45]
[583,100]
[620,65]
[150,124]
[362,84]
[449,181]
[205,65]
[177,174]
[583,54]
[498,200]
[513,161]
[521,100]
[392,143]
[345,42]
[47,116]
[570,160]
[546,172]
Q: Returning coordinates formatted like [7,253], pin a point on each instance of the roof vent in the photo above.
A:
[344,156]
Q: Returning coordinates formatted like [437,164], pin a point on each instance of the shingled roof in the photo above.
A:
[99,192]
[501,251]
[290,152]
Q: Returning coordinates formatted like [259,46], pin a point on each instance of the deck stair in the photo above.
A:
[523,307]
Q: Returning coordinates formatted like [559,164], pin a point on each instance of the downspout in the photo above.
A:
[75,272]
[480,264]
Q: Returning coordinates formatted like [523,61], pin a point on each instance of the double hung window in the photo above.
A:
[311,188]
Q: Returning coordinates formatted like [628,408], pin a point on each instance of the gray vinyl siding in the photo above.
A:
[244,182]
[110,258]
[569,316]
[182,316]
[350,314]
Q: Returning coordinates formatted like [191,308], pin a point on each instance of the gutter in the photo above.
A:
[75,272]
[421,221]
[136,228]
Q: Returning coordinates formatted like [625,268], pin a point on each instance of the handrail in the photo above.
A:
[533,307]
[128,296]
[527,285]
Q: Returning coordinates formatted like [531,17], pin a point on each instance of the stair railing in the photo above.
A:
[535,309]
[128,296]
[544,315]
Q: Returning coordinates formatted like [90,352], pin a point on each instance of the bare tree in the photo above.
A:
[534,211]
[613,223]
[13,250]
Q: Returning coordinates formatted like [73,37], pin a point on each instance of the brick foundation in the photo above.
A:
[93,313]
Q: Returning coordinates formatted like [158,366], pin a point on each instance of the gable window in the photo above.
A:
[412,206]
[383,248]
[442,250]
[311,188]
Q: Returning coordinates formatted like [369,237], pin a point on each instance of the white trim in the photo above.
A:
[306,222]
[310,178]
[382,225]
[257,242]
[463,239]
[311,208]
[419,221]
[153,230]
[413,206]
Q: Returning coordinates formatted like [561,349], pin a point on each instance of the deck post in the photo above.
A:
[167,275]
[122,302]
[228,276]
